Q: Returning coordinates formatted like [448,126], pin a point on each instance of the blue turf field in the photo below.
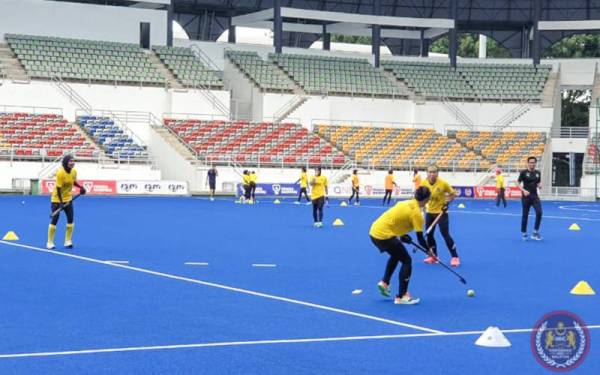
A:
[158,315]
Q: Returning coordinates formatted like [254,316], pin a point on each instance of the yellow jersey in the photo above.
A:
[65,182]
[399,220]
[499,181]
[246,179]
[319,184]
[389,182]
[303,180]
[253,177]
[438,194]
[354,181]
[417,181]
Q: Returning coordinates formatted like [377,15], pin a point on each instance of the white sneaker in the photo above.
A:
[212,199]
[296,202]
[356,204]
[50,246]
[69,244]
[406,300]
[308,203]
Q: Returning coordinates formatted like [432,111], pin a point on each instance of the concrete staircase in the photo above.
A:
[550,90]
[399,83]
[172,81]
[10,65]
[176,144]
[90,140]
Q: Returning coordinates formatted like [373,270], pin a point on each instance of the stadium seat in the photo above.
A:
[76,59]
[42,135]
[506,149]
[252,143]
[263,73]
[187,68]
[114,140]
[381,147]
[494,82]
[337,75]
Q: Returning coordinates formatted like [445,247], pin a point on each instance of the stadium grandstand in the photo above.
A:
[180,114]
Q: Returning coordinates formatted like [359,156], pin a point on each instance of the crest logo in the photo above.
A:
[88,185]
[276,188]
[560,341]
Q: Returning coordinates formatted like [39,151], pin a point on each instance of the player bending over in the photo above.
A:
[398,221]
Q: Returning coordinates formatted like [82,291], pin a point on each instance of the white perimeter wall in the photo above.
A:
[569,145]
[81,21]
[228,175]
[85,171]
[403,112]
[115,98]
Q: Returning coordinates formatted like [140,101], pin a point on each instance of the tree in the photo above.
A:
[575,46]
[468,46]
[576,107]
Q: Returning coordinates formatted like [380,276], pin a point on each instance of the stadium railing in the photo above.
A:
[571,132]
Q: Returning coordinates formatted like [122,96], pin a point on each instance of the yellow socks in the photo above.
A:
[69,235]
[51,232]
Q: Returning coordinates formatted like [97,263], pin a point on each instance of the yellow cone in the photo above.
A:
[574,226]
[276,201]
[338,222]
[583,289]
[461,205]
[10,236]
[343,204]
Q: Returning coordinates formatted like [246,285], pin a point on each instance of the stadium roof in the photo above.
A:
[507,21]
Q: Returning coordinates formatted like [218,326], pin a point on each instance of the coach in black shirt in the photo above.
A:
[529,183]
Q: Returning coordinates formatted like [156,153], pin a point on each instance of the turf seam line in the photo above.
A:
[259,342]
[225,287]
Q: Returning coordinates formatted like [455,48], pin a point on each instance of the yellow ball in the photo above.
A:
[471,293]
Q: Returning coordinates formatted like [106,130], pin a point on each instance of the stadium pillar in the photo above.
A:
[326,39]
[231,35]
[535,50]
[277,26]
[376,34]
[170,24]
[453,33]
[424,45]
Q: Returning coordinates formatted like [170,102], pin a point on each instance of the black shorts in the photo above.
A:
[211,185]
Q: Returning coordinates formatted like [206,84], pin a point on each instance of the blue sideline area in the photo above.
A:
[295,312]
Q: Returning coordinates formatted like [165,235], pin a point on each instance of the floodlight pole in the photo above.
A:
[453,33]
[277,26]
[231,38]
[326,38]
[376,34]
[170,24]
[535,50]
[424,45]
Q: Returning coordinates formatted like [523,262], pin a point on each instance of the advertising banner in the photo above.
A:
[489,192]
[274,190]
[93,187]
[152,188]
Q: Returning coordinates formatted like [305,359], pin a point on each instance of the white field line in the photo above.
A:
[257,342]
[226,287]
